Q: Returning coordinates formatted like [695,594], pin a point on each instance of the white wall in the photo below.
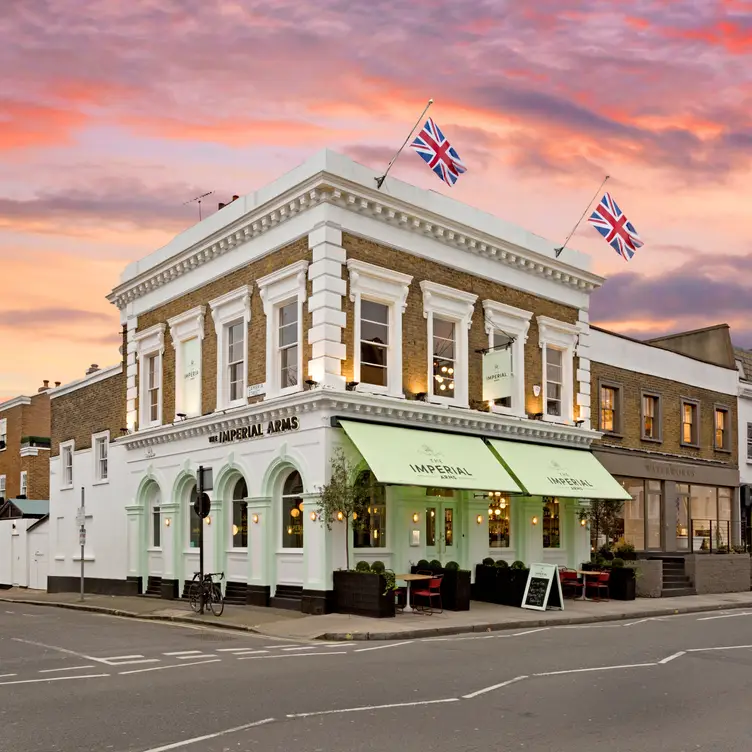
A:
[14,568]
[620,352]
[744,405]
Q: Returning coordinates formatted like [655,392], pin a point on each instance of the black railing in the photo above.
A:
[711,535]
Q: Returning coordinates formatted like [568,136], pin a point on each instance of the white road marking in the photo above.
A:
[67,668]
[164,668]
[309,647]
[61,650]
[725,616]
[383,647]
[196,739]
[274,647]
[135,663]
[725,647]
[10,612]
[121,657]
[530,631]
[228,650]
[184,652]
[250,652]
[457,639]
[492,687]
[595,668]
[194,655]
[287,655]
[6,676]
[370,707]
[673,657]
[53,678]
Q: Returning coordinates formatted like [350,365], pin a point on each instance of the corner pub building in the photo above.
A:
[318,313]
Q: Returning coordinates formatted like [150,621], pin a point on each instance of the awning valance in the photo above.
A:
[405,456]
[554,471]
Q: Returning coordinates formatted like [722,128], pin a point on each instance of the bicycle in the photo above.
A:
[212,591]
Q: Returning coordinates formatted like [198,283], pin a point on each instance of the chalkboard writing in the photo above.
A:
[543,589]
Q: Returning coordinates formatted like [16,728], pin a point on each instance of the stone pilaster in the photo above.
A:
[260,550]
[131,374]
[582,377]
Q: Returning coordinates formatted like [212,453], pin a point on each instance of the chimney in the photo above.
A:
[45,386]
[235,198]
[57,384]
[221,206]
[93,368]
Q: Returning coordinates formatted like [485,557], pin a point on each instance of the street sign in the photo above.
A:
[202,505]
[82,537]
[206,483]
[256,390]
[80,517]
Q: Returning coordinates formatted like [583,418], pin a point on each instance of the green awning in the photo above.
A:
[405,456]
[553,471]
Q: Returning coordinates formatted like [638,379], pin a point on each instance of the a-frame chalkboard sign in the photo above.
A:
[543,589]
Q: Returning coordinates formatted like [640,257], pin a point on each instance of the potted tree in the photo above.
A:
[363,592]
[603,516]
[622,584]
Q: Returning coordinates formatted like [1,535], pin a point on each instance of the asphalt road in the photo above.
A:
[81,682]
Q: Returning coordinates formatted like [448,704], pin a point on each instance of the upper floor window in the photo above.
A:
[66,461]
[24,483]
[610,408]
[3,433]
[507,329]
[690,425]
[722,429]
[370,532]
[284,293]
[232,314]
[187,331]
[449,313]
[557,341]
[2,487]
[101,449]
[379,296]
[749,442]
[150,348]
[651,417]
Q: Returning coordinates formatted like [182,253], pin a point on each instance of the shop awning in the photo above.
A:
[409,457]
[554,471]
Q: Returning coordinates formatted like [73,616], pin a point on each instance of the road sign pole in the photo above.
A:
[200,490]
[82,540]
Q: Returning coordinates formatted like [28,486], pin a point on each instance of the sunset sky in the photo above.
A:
[112,114]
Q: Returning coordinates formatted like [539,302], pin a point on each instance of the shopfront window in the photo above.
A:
[292,511]
[431,526]
[653,517]
[370,531]
[551,528]
[194,521]
[240,515]
[499,523]
[639,520]
[156,517]
[633,514]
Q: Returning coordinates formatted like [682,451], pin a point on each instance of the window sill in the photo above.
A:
[101,482]
[366,549]
[612,434]
[291,551]
[60,558]
[651,440]
[435,399]
[721,450]
[233,406]
[496,410]
[67,488]
[236,550]
[688,446]
[154,550]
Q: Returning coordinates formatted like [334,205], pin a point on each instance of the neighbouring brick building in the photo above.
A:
[667,409]
[25,446]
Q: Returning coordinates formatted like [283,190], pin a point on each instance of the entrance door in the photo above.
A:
[38,565]
[442,531]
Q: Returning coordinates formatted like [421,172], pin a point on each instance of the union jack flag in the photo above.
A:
[619,233]
[438,153]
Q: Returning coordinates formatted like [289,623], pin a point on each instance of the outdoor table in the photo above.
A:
[585,575]
[408,578]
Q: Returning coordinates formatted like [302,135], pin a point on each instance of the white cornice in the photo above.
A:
[93,378]
[15,402]
[377,408]
[327,188]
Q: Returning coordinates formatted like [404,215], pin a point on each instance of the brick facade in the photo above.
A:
[414,330]
[92,408]
[632,386]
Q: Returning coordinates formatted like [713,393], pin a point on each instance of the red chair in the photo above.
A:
[431,593]
[598,584]
[570,585]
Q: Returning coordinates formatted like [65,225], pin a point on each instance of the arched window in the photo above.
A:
[292,511]
[369,531]
[194,521]
[156,515]
[240,515]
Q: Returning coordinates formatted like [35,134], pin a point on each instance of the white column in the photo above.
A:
[325,305]
[477,535]
[135,542]
[530,535]
[581,538]
[259,553]
[170,544]
[218,535]
[582,377]
[131,375]
[317,569]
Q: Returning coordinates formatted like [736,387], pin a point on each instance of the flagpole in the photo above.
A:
[380,181]
[587,209]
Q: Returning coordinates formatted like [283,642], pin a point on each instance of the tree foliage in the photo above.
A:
[603,516]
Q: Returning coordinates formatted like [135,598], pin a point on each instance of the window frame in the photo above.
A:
[696,424]
[278,289]
[657,418]
[4,479]
[385,287]
[372,502]
[456,306]
[749,442]
[726,411]
[98,440]
[243,501]
[231,308]
[618,429]
[506,319]
[150,344]
[23,489]
[155,518]
[561,336]
[183,328]
[301,506]
[4,434]
[67,450]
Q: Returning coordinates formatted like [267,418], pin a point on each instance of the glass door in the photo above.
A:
[441,527]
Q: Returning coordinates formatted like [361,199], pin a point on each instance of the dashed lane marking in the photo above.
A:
[383,647]
[54,678]
[594,668]
[65,668]
[493,687]
[672,657]
[6,676]
[307,647]
[290,655]
[206,737]
[249,652]
[725,616]
[185,652]
[165,668]
[194,656]
[374,707]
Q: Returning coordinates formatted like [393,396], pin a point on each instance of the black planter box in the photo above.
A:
[502,585]
[362,594]
[484,588]
[455,588]
[622,584]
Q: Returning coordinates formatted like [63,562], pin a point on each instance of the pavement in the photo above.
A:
[77,681]
[285,624]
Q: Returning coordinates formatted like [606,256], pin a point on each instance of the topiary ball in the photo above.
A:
[452,566]
[518,564]
[435,564]
[378,566]
[423,563]
[362,566]
[501,564]
[488,562]
[617,563]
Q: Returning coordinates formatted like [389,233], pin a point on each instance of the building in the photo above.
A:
[667,410]
[445,351]
[744,366]
[25,446]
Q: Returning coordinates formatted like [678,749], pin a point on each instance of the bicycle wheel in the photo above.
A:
[193,594]
[217,602]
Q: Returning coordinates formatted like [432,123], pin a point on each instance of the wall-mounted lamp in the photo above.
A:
[311,383]
[313,516]
[235,529]
[208,519]
[416,516]
[536,390]
[255,519]
[167,522]
[13,526]
[350,386]
[583,523]
[340,516]
[535,520]
[479,519]
[355,516]
[182,416]
[579,422]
